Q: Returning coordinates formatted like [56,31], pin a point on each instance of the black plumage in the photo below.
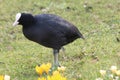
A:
[48,30]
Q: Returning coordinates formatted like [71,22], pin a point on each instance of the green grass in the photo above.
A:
[100,50]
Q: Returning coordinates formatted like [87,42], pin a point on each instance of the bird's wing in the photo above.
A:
[63,26]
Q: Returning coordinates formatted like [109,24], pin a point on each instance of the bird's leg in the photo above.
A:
[55,53]
[63,52]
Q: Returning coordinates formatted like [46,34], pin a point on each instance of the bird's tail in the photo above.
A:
[81,36]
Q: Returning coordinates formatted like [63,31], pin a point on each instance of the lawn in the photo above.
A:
[99,22]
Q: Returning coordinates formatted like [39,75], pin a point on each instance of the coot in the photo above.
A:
[48,30]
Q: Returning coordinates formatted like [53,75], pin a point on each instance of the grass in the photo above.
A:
[83,59]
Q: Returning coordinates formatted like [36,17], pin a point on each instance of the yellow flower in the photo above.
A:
[43,68]
[56,77]
[1,77]
[56,73]
[41,78]
[113,69]
[49,77]
[118,72]
[62,68]
[102,72]
[47,67]
[39,70]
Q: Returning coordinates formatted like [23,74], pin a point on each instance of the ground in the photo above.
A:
[99,22]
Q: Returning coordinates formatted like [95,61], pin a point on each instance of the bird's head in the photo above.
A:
[23,19]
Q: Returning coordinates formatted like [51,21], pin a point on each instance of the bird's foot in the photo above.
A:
[55,66]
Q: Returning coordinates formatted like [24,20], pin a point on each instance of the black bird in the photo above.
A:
[48,30]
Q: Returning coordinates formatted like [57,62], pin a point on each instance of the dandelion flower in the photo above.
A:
[113,69]
[1,77]
[118,72]
[102,72]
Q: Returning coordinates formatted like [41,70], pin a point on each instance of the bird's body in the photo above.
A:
[49,30]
